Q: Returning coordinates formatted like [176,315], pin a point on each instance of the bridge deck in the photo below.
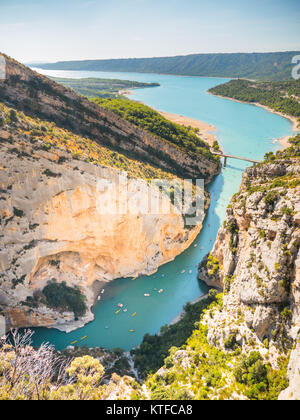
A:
[234,157]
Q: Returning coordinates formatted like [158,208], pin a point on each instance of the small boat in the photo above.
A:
[163,275]
[132,331]
[183,271]
[99,298]
[102,291]
[134,314]
[74,342]
[125,310]
[83,338]
[161,291]
[191,271]
[146,295]
[120,305]
[118,312]
[134,278]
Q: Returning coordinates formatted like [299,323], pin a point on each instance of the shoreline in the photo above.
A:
[283,141]
[183,313]
[206,132]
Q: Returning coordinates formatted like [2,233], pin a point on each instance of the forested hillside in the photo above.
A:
[280,96]
[262,66]
[150,120]
[103,88]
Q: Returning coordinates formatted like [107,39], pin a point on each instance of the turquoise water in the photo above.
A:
[243,130]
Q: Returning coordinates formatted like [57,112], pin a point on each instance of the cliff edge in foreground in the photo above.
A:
[256,261]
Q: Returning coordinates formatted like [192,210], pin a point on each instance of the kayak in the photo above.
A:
[134,314]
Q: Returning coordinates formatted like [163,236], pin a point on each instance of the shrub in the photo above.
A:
[65,298]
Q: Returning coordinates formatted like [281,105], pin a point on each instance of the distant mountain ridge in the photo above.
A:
[261,66]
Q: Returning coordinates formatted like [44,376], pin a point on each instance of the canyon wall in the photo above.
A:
[52,227]
[256,261]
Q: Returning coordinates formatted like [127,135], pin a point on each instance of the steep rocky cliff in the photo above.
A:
[37,95]
[57,249]
[53,227]
[256,261]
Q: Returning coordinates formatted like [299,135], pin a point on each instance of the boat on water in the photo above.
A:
[132,331]
[74,342]
[146,295]
[125,310]
[83,338]
[120,305]
[117,312]
[161,291]
[134,314]
[102,291]
[183,271]
[134,278]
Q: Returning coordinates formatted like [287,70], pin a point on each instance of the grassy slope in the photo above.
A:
[47,135]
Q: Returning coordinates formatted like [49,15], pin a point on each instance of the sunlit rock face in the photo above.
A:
[53,227]
[256,261]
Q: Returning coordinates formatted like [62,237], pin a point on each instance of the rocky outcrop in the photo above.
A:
[256,261]
[37,95]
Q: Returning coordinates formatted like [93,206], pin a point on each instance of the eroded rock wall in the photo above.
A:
[256,261]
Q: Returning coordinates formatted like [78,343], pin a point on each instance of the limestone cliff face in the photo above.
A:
[256,260]
[51,228]
[37,95]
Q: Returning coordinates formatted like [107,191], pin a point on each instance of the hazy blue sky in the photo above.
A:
[51,30]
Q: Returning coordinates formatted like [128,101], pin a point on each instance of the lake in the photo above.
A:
[243,130]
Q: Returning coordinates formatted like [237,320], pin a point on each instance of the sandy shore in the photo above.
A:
[284,141]
[205,130]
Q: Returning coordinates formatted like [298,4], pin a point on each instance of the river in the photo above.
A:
[244,130]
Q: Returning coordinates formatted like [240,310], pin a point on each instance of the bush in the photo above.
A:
[65,298]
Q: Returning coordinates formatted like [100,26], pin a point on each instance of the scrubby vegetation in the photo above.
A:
[48,137]
[64,298]
[199,370]
[185,138]
[282,97]
[43,374]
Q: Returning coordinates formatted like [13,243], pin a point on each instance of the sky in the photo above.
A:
[55,30]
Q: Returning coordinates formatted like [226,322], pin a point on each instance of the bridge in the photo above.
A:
[225,156]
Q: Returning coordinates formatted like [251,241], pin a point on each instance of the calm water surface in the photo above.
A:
[243,130]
